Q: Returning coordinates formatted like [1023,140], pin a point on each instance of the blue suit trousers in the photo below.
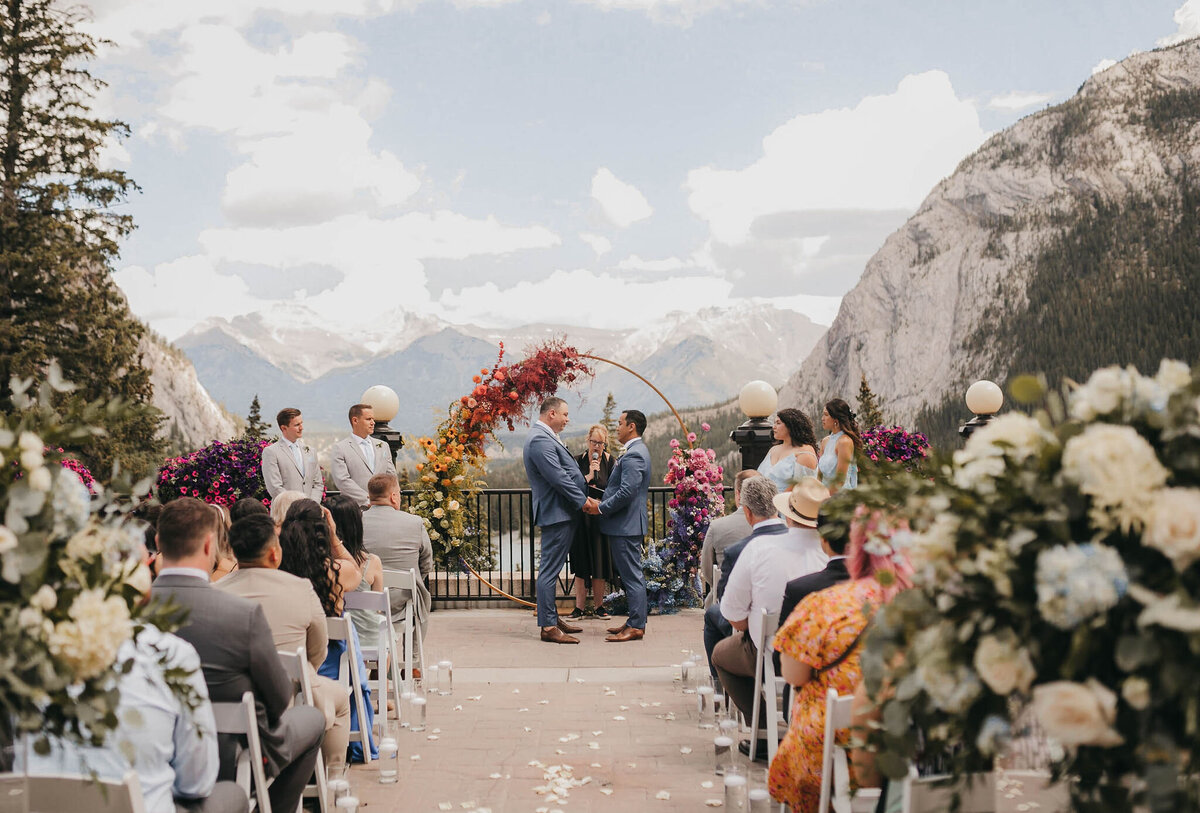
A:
[556,544]
[627,559]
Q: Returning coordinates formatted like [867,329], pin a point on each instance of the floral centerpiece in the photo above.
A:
[1056,578]
[71,584]
[221,473]
[671,566]
[454,456]
[895,445]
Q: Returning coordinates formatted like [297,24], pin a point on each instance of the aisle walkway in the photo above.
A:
[610,715]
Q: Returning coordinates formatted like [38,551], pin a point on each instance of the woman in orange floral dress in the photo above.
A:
[825,626]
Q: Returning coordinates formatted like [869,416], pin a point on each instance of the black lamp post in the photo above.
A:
[756,435]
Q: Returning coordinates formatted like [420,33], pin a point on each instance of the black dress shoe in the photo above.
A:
[601,613]
[760,752]
[567,628]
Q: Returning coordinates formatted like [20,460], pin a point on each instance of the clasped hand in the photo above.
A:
[591,506]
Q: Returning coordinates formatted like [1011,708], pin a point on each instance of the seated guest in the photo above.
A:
[312,551]
[835,535]
[819,645]
[757,583]
[173,749]
[758,508]
[237,652]
[723,532]
[295,615]
[246,506]
[226,560]
[400,541]
[280,505]
[347,522]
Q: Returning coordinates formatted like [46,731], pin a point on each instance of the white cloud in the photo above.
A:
[635,263]
[640,301]
[621,202]
[598,243]
[885,153]
[178,294]
[678,12]
[1016,100]
[1103,65]
[1187,18]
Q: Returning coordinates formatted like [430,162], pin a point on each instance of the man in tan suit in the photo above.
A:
[294,615]
[289,464]
[358,458]
[400,541]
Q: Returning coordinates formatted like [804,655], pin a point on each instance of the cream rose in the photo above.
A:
[1003,665]
[1173,375]
[87,643]
[1102,394]
[1136,692]
[1077,713]
[1173,525]
[45,599]
[1118,469]
[439,512]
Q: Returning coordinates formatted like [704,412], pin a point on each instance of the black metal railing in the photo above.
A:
[503,534]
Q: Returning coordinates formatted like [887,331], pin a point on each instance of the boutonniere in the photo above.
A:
[307,450]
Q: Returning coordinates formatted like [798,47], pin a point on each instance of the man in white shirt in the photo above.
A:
[359,457]
[757,582]
[723,532]
[289,464]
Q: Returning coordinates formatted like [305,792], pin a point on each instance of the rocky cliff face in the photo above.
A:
[938,305]
[193,418]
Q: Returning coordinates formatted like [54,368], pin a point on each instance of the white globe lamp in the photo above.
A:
[383,400]
[758,399]
[984,398]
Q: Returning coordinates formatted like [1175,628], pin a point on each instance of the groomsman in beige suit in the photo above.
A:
[360,457]
[289,464]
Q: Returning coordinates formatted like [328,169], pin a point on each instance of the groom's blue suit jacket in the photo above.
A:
[623,509]
[559,490]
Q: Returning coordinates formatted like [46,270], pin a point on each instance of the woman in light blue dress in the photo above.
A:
[837,466]
[794,456]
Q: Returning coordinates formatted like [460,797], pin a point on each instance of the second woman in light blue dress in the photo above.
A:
[837,466]
[794,456]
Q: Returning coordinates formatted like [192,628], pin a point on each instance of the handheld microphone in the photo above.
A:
[595,455]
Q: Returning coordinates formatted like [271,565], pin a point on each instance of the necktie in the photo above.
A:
[369,454]
[299,458]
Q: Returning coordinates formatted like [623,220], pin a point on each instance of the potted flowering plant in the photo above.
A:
[71,583]
[895,445]
[1056,581]
[221,473]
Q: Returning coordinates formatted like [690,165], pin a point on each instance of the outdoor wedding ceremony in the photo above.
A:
[554,406]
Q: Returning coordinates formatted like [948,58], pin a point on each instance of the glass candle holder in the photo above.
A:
[337,784]
[389,760]
[760,800]
[406,699]
[722,754]
[433,679]
[685,674]
[735,792]
[445,677]
[347,804]
[417,723]
[704,706]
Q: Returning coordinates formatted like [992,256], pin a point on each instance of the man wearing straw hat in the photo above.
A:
[757,583]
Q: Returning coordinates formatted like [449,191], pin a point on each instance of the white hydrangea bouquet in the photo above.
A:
[1056,578]
[72,588]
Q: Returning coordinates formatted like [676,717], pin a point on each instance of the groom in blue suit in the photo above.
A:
[623,520]
[559,491]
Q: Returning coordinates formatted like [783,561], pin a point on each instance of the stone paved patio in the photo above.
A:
[625,721]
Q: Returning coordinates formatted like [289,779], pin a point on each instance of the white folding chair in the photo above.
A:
[293,664]
[348,676]
[407,580]
[70,793]
[768,688]
[716,577]
[241,719]
[835,769]
[383,656]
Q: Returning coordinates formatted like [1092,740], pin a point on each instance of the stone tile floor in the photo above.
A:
[611,714]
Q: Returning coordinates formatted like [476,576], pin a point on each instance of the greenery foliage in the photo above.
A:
[869,415]
[256,427]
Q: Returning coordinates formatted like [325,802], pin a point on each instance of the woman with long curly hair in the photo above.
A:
[794,456]
[819,646]
[347,522]
[313,551]
[837,466]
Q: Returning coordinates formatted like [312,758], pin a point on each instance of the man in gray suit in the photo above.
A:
[358,458]
[623,520]
[559,491]
[237,651]
[400,541]
[289,464]
[723,532]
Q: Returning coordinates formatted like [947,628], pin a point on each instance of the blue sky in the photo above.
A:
[510,161]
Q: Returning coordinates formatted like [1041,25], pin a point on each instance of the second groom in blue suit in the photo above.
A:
[559,491]
[623,520]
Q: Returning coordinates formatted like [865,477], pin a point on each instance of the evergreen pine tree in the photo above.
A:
[609,422]
[256,428]
[869,415]
[58,234]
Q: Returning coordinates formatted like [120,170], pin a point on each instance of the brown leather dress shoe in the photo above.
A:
[617,630]
[627,634]
[567,628]
[554,635]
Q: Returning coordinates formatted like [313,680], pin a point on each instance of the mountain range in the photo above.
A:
[287,359]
